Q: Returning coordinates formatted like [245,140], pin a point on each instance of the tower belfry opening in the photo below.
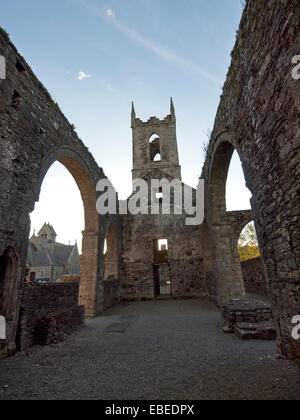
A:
[155,143]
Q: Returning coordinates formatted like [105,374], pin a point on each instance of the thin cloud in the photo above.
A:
[110,13]
[169,57]
[166,55]
[82,75]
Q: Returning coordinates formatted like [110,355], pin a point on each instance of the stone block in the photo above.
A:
[258,331]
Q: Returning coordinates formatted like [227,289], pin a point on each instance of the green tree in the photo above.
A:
[248,243]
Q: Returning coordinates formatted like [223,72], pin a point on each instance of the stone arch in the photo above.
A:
[42,136]
[153,137]
[224,226]
[266,134]
[89,261]
[218,171]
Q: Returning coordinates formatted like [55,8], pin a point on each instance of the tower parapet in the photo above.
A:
[155,145]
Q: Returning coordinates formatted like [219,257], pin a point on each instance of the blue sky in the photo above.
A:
[96,56]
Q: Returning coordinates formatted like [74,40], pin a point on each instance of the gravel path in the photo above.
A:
[172,349]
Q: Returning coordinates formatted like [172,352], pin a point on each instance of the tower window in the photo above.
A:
[163,244]
[155,154]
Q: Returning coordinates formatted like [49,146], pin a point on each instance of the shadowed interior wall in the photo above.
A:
[112,278]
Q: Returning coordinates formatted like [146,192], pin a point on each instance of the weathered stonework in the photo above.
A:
[142,268]
[258,331]
[259,117]
[33,135]
[254,277]
[166,145]
[245,311]
[249,319]
[48,313]
[185,256]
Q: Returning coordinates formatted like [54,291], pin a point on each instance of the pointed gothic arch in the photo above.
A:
[89,260]
[225,226]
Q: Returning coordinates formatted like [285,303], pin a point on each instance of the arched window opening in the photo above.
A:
[155,152]
[223,246]
[162,244]
[254,277]
[153,138]
[69,200]
[51,253]
[237,194]
[161,268]
[248,243]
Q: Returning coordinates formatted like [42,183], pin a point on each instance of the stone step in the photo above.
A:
[255,331]
[245,311]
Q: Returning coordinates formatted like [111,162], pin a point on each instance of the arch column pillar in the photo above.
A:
[89,269]
[227,265]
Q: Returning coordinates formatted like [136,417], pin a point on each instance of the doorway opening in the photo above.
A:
[161,267]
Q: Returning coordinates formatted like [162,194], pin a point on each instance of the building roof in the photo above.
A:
[42,253]
[58,254]
[49,228]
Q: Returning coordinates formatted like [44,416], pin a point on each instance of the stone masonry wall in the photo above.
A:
[185,256]
[254,277]
[48,313]
[33,135]
[111,293]
[142,132]
[259,117]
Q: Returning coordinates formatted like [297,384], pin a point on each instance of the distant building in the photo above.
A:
[49,261]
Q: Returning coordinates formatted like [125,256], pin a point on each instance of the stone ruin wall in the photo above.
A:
[259,117]
[48,313]
[34,134]
[254,277]
[185,256]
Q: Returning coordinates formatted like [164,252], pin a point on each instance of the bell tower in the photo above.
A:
[155,146]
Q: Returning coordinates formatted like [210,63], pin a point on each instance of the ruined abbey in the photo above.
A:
[153,255]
